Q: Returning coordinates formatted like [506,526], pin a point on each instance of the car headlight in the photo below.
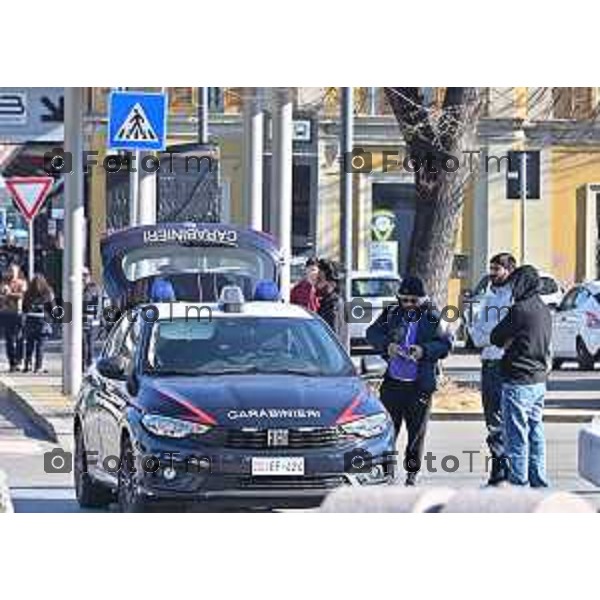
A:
[367,427]
[174,428]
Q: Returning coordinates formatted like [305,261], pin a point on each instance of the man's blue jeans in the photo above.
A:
[525,444]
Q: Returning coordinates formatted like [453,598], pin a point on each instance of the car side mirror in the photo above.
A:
[112,367]
[373,366]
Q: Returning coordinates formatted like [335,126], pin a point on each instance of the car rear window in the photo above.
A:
[374,288]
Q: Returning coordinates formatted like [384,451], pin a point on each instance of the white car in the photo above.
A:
[551,293]
[576,326]
[372,291]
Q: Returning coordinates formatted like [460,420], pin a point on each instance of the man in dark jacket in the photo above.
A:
[496,303]
[525,334]
[331,304]
[411,338]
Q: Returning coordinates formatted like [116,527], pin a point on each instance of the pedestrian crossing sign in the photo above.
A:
[137,121]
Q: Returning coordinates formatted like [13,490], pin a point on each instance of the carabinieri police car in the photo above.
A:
[235,403]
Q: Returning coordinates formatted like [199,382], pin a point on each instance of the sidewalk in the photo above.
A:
[571,397]
[41,398]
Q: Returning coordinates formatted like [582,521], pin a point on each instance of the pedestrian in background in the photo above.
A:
[525,335]
[14,254]
[495,305]
[411,338]
[91,313]
[12,290]
[36,329]
[304,293]
[162,290]
[331,304]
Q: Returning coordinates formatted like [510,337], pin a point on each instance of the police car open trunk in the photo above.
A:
[197,259]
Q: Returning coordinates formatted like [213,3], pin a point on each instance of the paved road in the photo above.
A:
[33,490]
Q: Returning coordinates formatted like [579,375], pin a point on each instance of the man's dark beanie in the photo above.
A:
[412,286]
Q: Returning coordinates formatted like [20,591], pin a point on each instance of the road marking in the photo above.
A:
[19,446]
[46,493]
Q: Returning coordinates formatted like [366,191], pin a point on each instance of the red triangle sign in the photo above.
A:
[29,193]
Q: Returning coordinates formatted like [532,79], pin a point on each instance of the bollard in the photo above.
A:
[515,500]
[389,499]
[588,452]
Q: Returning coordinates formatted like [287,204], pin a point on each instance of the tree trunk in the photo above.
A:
[439,191]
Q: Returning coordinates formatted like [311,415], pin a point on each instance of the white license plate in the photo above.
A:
[274,465]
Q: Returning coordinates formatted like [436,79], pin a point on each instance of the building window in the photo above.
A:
[99,102]
[232,100]
[181,99]
[573,102]
[216,100]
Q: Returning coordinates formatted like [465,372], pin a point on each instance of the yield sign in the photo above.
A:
[29,193]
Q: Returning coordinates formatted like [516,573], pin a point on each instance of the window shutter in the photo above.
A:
[562,102]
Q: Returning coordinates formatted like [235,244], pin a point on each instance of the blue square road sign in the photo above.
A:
[137,121]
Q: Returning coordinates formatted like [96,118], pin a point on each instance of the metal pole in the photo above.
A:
[346,242]
[147,180]
[372,101]
[281,172]
[74,240]
[31,259]
[253,159]
[523,206]
[202,115]
[134,189]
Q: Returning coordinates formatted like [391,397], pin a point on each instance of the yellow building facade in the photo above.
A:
[561,226]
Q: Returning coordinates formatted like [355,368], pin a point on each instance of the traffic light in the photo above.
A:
[513,175]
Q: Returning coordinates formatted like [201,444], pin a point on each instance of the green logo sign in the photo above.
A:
[383,224]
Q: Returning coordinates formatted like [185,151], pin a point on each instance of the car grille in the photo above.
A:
[317,437]
[290,483]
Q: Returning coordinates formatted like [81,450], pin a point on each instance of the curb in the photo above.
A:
[39,420]
[563,417]
[6,505]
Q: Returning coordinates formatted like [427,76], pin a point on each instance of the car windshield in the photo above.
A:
[370,287]
[242,345]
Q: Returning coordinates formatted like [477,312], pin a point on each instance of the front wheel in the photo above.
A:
[89,493]
[128,496]
[584,358]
